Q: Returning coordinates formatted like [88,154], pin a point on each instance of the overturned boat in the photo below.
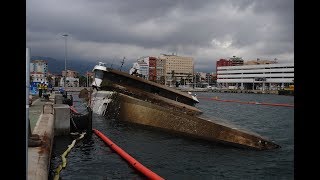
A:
[112,76]
[143,102]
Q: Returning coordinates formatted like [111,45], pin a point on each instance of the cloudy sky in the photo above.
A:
[207,30]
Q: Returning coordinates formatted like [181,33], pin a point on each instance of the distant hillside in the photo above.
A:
[56,66]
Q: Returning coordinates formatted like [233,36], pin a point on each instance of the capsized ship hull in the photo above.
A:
[147,103]
[149,114]
[125,79]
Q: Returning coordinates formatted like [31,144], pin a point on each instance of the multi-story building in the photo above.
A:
[144,67]
[223,62]
[39,66]
[258,61]
[70,82]
[202,76]
[70,73]
[160,65]
[37,77]
[39,71]
[72,79]
[262,76]
[141,67]
[153,69]
[177,68]
[236,61]
[164,69]
[56,78]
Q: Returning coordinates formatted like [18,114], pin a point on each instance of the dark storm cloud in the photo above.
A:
[206,30]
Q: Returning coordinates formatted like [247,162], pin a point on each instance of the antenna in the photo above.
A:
[122,63]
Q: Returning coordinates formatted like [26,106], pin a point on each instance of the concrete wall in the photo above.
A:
[62,119]
[58,98]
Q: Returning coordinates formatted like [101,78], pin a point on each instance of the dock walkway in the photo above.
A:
[42,123]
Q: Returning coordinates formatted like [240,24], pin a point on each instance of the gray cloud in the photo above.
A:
[206,30]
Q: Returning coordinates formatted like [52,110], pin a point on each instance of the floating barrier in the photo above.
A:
[138,166]
[249,102]
[63,157]
[73,110]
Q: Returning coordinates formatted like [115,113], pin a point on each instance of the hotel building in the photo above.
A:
[177,68]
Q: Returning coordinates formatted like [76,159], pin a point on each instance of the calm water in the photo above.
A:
[175,157]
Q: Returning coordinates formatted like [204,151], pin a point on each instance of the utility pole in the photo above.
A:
[65,60]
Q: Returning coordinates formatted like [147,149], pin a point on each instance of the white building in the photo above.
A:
[38,77]
[39,66]
[141,67]
[70,82]
[263,77]
[39,71]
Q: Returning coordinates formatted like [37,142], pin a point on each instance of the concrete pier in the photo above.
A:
[39,157]
[58,98]
[48,118]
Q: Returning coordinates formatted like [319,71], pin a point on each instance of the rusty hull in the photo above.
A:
[147,103]
[155,99]
[125,79]
[142,112]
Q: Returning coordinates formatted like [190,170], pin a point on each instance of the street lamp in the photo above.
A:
[65,60]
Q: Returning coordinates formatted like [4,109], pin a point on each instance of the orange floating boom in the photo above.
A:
[138,166]
[73,109]
[250,102]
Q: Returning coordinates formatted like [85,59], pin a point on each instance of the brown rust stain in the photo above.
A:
[45,145]
[150,114]
[154,98]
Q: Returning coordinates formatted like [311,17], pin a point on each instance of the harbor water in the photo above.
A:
[173,156]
